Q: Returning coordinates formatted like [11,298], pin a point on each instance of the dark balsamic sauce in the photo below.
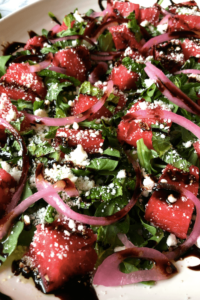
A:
[77,288]
[194,251]
[4,297]
[10,48]
[32,33]
[4,255]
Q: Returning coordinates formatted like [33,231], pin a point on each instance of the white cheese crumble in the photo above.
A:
[121,174]
[84,183]
[171,199]
[198,242]
[162,28]
[188,144]
[78,17]
[171,240]
[78,156]
[59,172]
[40,113]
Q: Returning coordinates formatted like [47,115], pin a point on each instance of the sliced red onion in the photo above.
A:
[7,221]
[55,29]
[192,238]
[102,27]
[158,113]
[73,37]
[164,20]
[188,71]
[42,65]
[58,70]
[25,165]
[99,71]
[123,238]
[168,37]
[116,53]
[108,10]
[70,120]
[54,200]
[163,11]
[108,273]
[170,90]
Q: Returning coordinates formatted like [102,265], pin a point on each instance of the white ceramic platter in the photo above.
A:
[183,286]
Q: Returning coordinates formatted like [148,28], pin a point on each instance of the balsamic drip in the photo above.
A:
[10,48]
[194,251]
[77,288]
[33,57]
[4,297]
[32,33]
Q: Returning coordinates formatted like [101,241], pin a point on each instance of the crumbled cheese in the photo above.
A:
[171,240]
[171,198]
[198,242]
[84,183]
[78,17]
[75,126]
[40,113]
[121,174]
[148,82]
[78,156]
[148,183]
[59,172]
[162,28]
[117,249]
[144,23]
[188,144]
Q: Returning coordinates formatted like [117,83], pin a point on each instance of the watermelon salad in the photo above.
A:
[100,145]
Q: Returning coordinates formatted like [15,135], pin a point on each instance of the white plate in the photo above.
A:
[183,286]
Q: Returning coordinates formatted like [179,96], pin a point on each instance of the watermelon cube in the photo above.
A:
[149,14]
[173,216]
[123,78]
[125,8]
[7,190]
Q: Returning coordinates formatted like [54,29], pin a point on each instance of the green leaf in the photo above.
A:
[56,75]
[60,113]
[103,164]
[89,12]
[52,49]
[89,89]
[106,42]
[45,32]
[55,87]
[40,149]
[26,192]
[3,61]
[38,105]
[145,156]
[68,19]
[52,132]
[161,145]
[50,214]
[173,158]
[22,104]
[10,242]
[112,152]
[17,123]
[134,27]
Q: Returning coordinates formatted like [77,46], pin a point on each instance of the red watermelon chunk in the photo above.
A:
[76,61]
[61,251]
[131,132]
[123,37]
[173,217]
[35,43]
[19,75]
[150,14]
[91,140]
[191,48]
[193,22]
[189,5]
[7,189]
[177,24]
[125,8]
[170,54]
[196,146]
[65,27]
[123,78]
[84,102]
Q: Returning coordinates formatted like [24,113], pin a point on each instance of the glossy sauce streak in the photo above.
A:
[78,288]
[10,48]
[194,251]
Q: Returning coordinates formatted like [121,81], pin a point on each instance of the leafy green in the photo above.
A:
[40,149]
[145,156]
[133,66]
[17,124]
[87,88]
[3,61]
[103,164]
[55,87]
[112,152]
[52,132]
[160,144]
[106,42]
[23,104]
[68,19]
[50,214]
[26,192]
[134,27]
[56,75]
[10,242]
[173,158]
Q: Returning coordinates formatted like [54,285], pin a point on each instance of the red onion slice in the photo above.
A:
[25,165]
[73,37]
[158,113]
[104,26]
[108,273]
[164,20]
[102,58]
[70,120]
[123,238]
[168,37]
[108,10]
[170,90]
[188,71]
[7,221]
[192,238]
[55,29]
[42,65]
[55,201]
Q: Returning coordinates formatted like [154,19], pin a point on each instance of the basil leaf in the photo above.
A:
[50,214]
[22,104]
[55,87]
[89,89]
[40,149]
[52,132]
[38,105]
[161,145]
[106,42]
[134,27]
[112,152]
[26,192]
[56,75]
